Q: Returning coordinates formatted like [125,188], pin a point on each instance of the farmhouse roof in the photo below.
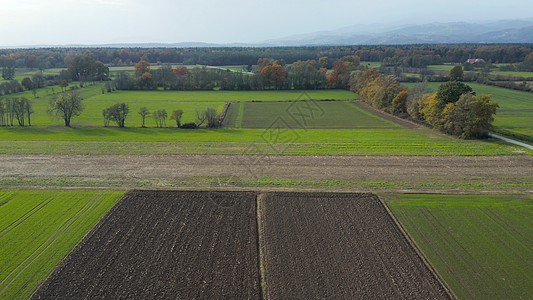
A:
[475,60]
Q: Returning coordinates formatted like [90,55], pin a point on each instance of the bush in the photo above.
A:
[191,125]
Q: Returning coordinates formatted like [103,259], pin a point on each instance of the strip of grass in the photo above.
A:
[89,140]
[481,245]
[39,228]
[515,113]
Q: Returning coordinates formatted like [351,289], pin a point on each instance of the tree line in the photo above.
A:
[400,55]
[454,109]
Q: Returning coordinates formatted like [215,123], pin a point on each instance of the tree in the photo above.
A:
[430,110]
[414,95]
[209,115]
[117,113]
[470,116]
[8,73]
[450,92]
[160,117]
[181,71]
[27,83]
[142,67]
[274,75]
[176,115]
[144,112]
[146,81]
[399,103]
[66,106]
[324,62]
[106,113]
[456,73]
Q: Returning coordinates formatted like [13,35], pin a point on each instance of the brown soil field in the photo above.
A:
[339,246]
[166,245]
[175,171]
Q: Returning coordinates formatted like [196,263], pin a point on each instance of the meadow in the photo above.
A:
[481,245]
[99,140]
[514,116]
[303,114]
[188,101]
[39,228]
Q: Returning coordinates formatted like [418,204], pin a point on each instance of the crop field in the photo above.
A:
[303,114]
[38,229]
[481,245]
[515,113]
[160,245]
[339,246]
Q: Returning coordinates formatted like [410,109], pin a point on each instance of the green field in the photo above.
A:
[98,140]
[39,228]
[515,114]
[303,114]
[441,67]
[188,101]
[482,246]
[513,73]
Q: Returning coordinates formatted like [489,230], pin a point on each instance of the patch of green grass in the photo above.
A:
[39,228]
[480,244]
[307,114]
[371,64]
[441,67]
[98,140]
[513,73]
[515,113]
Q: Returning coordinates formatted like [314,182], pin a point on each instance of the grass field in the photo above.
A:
[91,140]
[515,114]
[303,114]
[39,228]
[481,245]
[188,101]
[441,67]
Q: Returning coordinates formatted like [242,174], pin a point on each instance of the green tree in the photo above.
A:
[450,92]
[176,115]
[144,112]
[470,116]
[8,73]
[118,113]
[66,106]
[457,74]
[27,83]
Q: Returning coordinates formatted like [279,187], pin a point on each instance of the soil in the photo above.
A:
[339,246]
[127,171]
[165,245]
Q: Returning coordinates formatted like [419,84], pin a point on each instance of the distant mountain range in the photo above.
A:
[502,31]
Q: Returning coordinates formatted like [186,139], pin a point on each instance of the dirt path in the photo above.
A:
[127,170]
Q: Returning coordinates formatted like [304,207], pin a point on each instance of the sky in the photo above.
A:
[62,22]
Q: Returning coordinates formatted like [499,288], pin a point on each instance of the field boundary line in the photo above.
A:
[263,289]
[83,241]
[385,115]
[418,250]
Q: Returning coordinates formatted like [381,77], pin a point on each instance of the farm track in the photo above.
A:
[341,246]
[160,245]
[129,171]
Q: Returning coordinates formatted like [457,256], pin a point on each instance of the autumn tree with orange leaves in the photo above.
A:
[274,76]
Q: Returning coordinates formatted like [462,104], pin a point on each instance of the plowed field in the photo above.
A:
[166,245]
[339,246]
